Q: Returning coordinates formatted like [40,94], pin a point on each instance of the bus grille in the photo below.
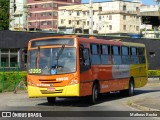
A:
[51,81]
[51,92]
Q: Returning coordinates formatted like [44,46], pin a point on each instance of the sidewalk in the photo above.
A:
[151,103]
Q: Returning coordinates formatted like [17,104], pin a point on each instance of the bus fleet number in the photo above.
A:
[35,71]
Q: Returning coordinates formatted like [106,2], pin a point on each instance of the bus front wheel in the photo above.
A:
[51,100]
[95,92]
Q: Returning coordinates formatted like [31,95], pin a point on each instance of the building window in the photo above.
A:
[87,22]
[137,9]
[110,17]
[99,17]
[62,21]
[36,14]
[124,27]
[124,7]
[8,57]
[49,23]
[137,17]
[77,22]
[100,8]
[46,23]
[70,12]
[137,28]
[43,5]
[36,6]
[78,13]
[30,15]
[55,14]
[84,13]
[124,17]
[48,5]
[29,7]
[152,54]
[69,22]
[54,5]
[29,24]
[110,27]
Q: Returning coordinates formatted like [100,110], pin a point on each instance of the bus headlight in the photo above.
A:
[74,81]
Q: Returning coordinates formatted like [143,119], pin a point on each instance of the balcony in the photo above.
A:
[119,12]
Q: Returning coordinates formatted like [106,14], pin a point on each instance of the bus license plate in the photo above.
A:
[51,89]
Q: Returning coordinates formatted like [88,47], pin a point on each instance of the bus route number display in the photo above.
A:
[35,71]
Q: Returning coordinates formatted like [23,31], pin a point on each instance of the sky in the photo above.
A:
[147,2]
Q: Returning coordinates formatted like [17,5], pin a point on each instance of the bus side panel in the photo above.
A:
[107,82]
[114,85]
[105,78]
[139,73]
[86,81]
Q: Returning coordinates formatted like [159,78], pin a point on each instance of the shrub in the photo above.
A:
[153,73]
[9,80]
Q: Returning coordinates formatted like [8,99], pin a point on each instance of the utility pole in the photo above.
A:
[36,21]
[90,17]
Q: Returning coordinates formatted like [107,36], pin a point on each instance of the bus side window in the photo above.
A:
[95,54]
[105,54]
[125,55]
[116,55]
[141,55]
[134,58]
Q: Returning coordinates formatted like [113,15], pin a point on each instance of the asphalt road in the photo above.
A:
[113,102]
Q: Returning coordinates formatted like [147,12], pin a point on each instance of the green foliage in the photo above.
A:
[153,73]
[10,80]
[4,14]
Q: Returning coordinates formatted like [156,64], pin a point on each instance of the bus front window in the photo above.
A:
[63,61]
[52,61]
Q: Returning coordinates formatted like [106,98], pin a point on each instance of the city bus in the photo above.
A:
[73,66]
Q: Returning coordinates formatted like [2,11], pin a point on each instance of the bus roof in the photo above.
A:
[93,39]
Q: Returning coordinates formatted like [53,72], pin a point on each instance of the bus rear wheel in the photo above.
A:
[51,100]
[131,88]
[95,93]
[130,91]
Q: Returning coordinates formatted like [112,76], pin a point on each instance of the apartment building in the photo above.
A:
[17,15]
[43,14]
[115,16]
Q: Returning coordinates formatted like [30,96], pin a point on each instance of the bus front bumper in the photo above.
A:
[66,91]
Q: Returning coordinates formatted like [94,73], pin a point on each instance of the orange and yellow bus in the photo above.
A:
[72,66]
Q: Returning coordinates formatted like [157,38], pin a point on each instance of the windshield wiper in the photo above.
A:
[59,54]
[37,57]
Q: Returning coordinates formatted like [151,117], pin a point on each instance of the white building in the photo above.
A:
[108,17]
[17,15]
[150,13]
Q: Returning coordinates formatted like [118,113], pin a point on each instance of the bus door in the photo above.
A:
[85,71]
[84,59]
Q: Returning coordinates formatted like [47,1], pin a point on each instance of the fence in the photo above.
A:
[10,77]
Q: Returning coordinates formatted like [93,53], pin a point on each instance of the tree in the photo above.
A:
[4,14]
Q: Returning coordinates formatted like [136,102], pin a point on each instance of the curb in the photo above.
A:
[143,108]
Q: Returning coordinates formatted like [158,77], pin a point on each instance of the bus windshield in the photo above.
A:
[47,61]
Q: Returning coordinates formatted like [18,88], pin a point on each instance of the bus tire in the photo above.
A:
[131,88]
[51,100]
[130,91]
[95,93]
